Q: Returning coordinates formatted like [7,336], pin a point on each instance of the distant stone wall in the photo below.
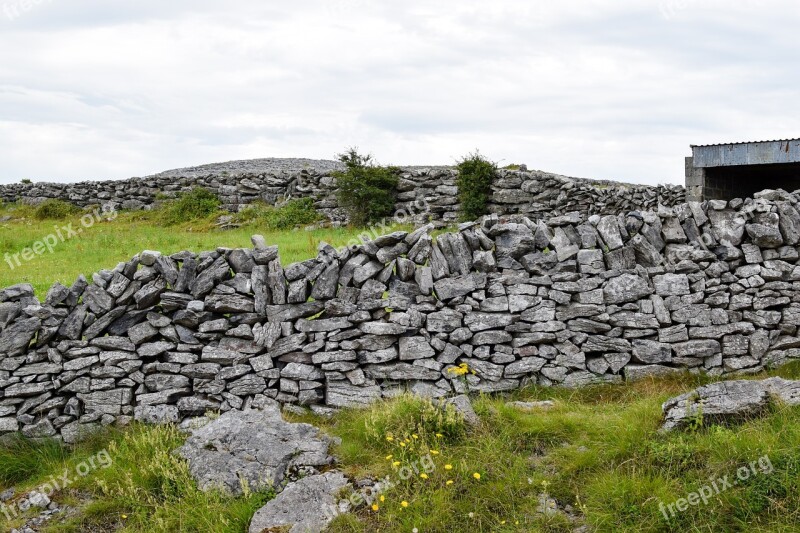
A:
[430,194]
[712,287]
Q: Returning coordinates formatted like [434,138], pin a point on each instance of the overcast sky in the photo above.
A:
[611,89]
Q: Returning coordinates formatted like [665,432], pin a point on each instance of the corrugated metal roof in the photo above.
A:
[751,153]
[744,142]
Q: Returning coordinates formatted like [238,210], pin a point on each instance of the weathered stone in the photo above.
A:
[254,447]
[671,284]
[157,414]
[626,288]
[608,228]
[344,394]
[415,348]
[728,401]
[526,365]
[651,352]
[304,505]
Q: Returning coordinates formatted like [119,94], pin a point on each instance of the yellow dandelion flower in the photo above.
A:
[383,498]
[415,436]
[403,444]
[439,435]
[502,522]
[404,503]
[434,452]
[449,482]
[389,438]
[389,457]
[448,467]
[476,475]
[423,475]
[396,463]
[375,507]
[124,517]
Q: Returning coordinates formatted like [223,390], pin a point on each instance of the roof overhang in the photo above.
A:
[746,153]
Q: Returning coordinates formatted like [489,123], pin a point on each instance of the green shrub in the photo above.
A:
[197,204]
[367,192]
[26,181]
[297,212]
[54,209]
[475,176]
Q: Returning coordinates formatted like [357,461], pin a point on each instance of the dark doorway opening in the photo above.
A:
[726,183]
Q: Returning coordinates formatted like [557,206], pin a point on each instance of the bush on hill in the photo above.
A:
[366,191]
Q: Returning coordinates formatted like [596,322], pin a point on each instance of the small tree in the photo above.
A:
[475,177]
[367,192]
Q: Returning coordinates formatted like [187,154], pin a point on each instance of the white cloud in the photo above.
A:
[613,89]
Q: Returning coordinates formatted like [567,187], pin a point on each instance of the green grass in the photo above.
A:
[107,243]
[134,483]
[598,449]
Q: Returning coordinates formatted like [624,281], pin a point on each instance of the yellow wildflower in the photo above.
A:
[375,507]
[423,475]
[476,475]
[459,370]
[449,482]
[383,498]
[389,438]
[415,436]
[448,467]
[439,435]
[403,444]
[434,452]
[396,463]
[404,503]
[389,457]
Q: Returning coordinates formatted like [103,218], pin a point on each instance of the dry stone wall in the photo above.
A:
[709,287]
[427,193]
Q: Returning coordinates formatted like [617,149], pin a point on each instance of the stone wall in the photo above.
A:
[709,287]
[427,193]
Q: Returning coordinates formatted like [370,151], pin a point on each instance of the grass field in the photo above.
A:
[107,243]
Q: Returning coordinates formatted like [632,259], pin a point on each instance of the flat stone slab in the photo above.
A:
[728,401]
[256,447]
[304,506]
[532,406]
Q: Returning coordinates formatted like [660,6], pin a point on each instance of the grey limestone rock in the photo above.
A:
[307,505]
[256,447]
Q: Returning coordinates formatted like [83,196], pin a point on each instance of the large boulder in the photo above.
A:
[256,447]
[728,401]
